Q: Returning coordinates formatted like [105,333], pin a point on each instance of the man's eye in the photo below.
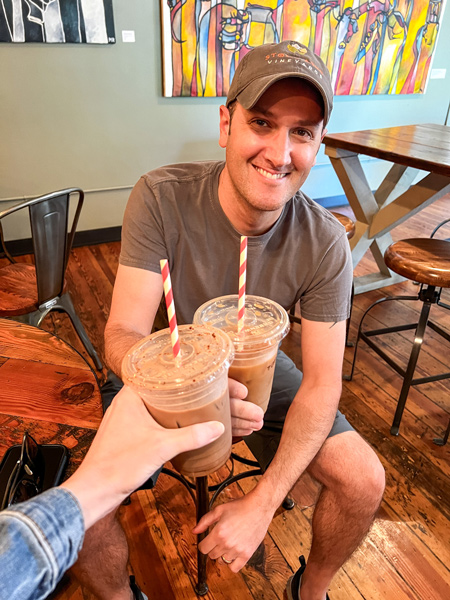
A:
[303,133]
[260,122]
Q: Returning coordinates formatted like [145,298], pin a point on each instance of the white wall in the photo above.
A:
[94,117]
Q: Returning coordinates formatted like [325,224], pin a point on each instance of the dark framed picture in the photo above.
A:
[57,21]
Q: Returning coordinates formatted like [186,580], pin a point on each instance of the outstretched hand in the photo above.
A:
[246,417]
[128,448]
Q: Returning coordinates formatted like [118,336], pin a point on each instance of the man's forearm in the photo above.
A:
[118,340]
[308,422]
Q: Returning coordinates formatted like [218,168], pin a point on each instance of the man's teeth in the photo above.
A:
[270,175]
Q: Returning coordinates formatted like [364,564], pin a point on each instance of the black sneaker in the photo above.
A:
[138,593]
[293,585]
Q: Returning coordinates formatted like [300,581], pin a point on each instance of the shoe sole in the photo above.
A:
[288,590]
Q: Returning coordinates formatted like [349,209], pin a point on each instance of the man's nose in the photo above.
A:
[279,149]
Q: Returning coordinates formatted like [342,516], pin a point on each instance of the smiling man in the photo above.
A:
[193,214]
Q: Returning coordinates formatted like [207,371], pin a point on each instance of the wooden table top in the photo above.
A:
[47,388]
[424,146]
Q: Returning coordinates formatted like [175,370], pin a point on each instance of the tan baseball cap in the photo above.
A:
[266,64]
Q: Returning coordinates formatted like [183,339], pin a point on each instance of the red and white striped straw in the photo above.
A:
[170,308]
[242,280]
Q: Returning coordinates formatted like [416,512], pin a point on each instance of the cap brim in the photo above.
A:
[254,90]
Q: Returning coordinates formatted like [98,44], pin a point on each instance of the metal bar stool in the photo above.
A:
[350,231]
[426,261]
[200,493]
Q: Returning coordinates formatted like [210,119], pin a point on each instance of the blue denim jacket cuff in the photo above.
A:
[48,531]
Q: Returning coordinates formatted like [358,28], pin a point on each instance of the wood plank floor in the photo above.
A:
[406,554]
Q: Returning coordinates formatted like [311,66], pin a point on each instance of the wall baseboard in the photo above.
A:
[333,201]
[82,238]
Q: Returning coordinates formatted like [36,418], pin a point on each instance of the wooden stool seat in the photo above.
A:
[18,290]
[421,259]
[347,223]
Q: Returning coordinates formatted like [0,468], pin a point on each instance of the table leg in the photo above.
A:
[201,484]
[377,214]
[415,198]
[365,206]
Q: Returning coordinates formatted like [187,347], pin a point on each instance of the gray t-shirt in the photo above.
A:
[174,213]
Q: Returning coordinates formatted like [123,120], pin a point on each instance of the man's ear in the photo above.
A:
[224,126]
[324,132]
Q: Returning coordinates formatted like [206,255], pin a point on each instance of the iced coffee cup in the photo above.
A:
[191,389]
[265,324]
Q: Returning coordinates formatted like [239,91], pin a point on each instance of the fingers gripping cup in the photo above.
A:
[266,323]
[183,391]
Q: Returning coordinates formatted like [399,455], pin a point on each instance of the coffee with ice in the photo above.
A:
[191,389]
[265,324]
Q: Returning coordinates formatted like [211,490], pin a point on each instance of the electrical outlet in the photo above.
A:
[128,36]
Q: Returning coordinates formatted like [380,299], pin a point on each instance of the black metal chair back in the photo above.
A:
[52,242]
[52,239]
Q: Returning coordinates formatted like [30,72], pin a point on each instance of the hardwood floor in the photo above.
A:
[407,552]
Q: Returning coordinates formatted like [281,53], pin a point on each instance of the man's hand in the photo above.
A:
[240,527]
[246,417]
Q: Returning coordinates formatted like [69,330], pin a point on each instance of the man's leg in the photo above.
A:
[102,563]
[352,481]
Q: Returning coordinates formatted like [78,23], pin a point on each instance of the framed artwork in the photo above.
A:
[369,46]
[57,21]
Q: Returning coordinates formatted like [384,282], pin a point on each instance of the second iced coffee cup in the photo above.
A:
[191,389]
[266,323]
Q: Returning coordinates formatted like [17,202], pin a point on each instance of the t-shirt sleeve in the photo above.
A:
[328,297]
[143,243]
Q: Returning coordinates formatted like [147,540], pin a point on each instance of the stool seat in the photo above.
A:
[421,259]
[347,223]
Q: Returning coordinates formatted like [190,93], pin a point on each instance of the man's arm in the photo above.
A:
[240,525]
[136,298]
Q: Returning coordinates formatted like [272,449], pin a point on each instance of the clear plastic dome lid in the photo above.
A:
[265,323]
[204,354]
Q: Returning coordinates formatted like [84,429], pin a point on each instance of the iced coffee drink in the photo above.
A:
[191,389]
[266,323]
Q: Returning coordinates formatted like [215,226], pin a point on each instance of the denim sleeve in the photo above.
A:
[39,540]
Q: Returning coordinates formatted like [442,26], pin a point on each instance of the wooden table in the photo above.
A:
[46,388]
[411,149]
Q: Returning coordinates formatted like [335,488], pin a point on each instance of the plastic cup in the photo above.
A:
[266,323]
[192,389]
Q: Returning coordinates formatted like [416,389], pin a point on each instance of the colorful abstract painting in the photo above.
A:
[57,21]
[370,47]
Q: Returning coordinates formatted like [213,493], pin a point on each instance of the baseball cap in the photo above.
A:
[266,64]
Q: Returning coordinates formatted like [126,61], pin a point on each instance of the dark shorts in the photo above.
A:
[263,444]
[286,381]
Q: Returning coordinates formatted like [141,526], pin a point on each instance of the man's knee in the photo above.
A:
[371,480]
[348,466]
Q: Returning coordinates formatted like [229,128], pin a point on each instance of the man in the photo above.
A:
[40,538]
[272,125]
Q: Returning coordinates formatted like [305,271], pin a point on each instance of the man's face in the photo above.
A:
[271,148]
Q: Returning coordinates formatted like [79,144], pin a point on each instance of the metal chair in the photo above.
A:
[32,291]
[426,261]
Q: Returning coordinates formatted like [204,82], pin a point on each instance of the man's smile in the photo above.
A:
[269,175]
